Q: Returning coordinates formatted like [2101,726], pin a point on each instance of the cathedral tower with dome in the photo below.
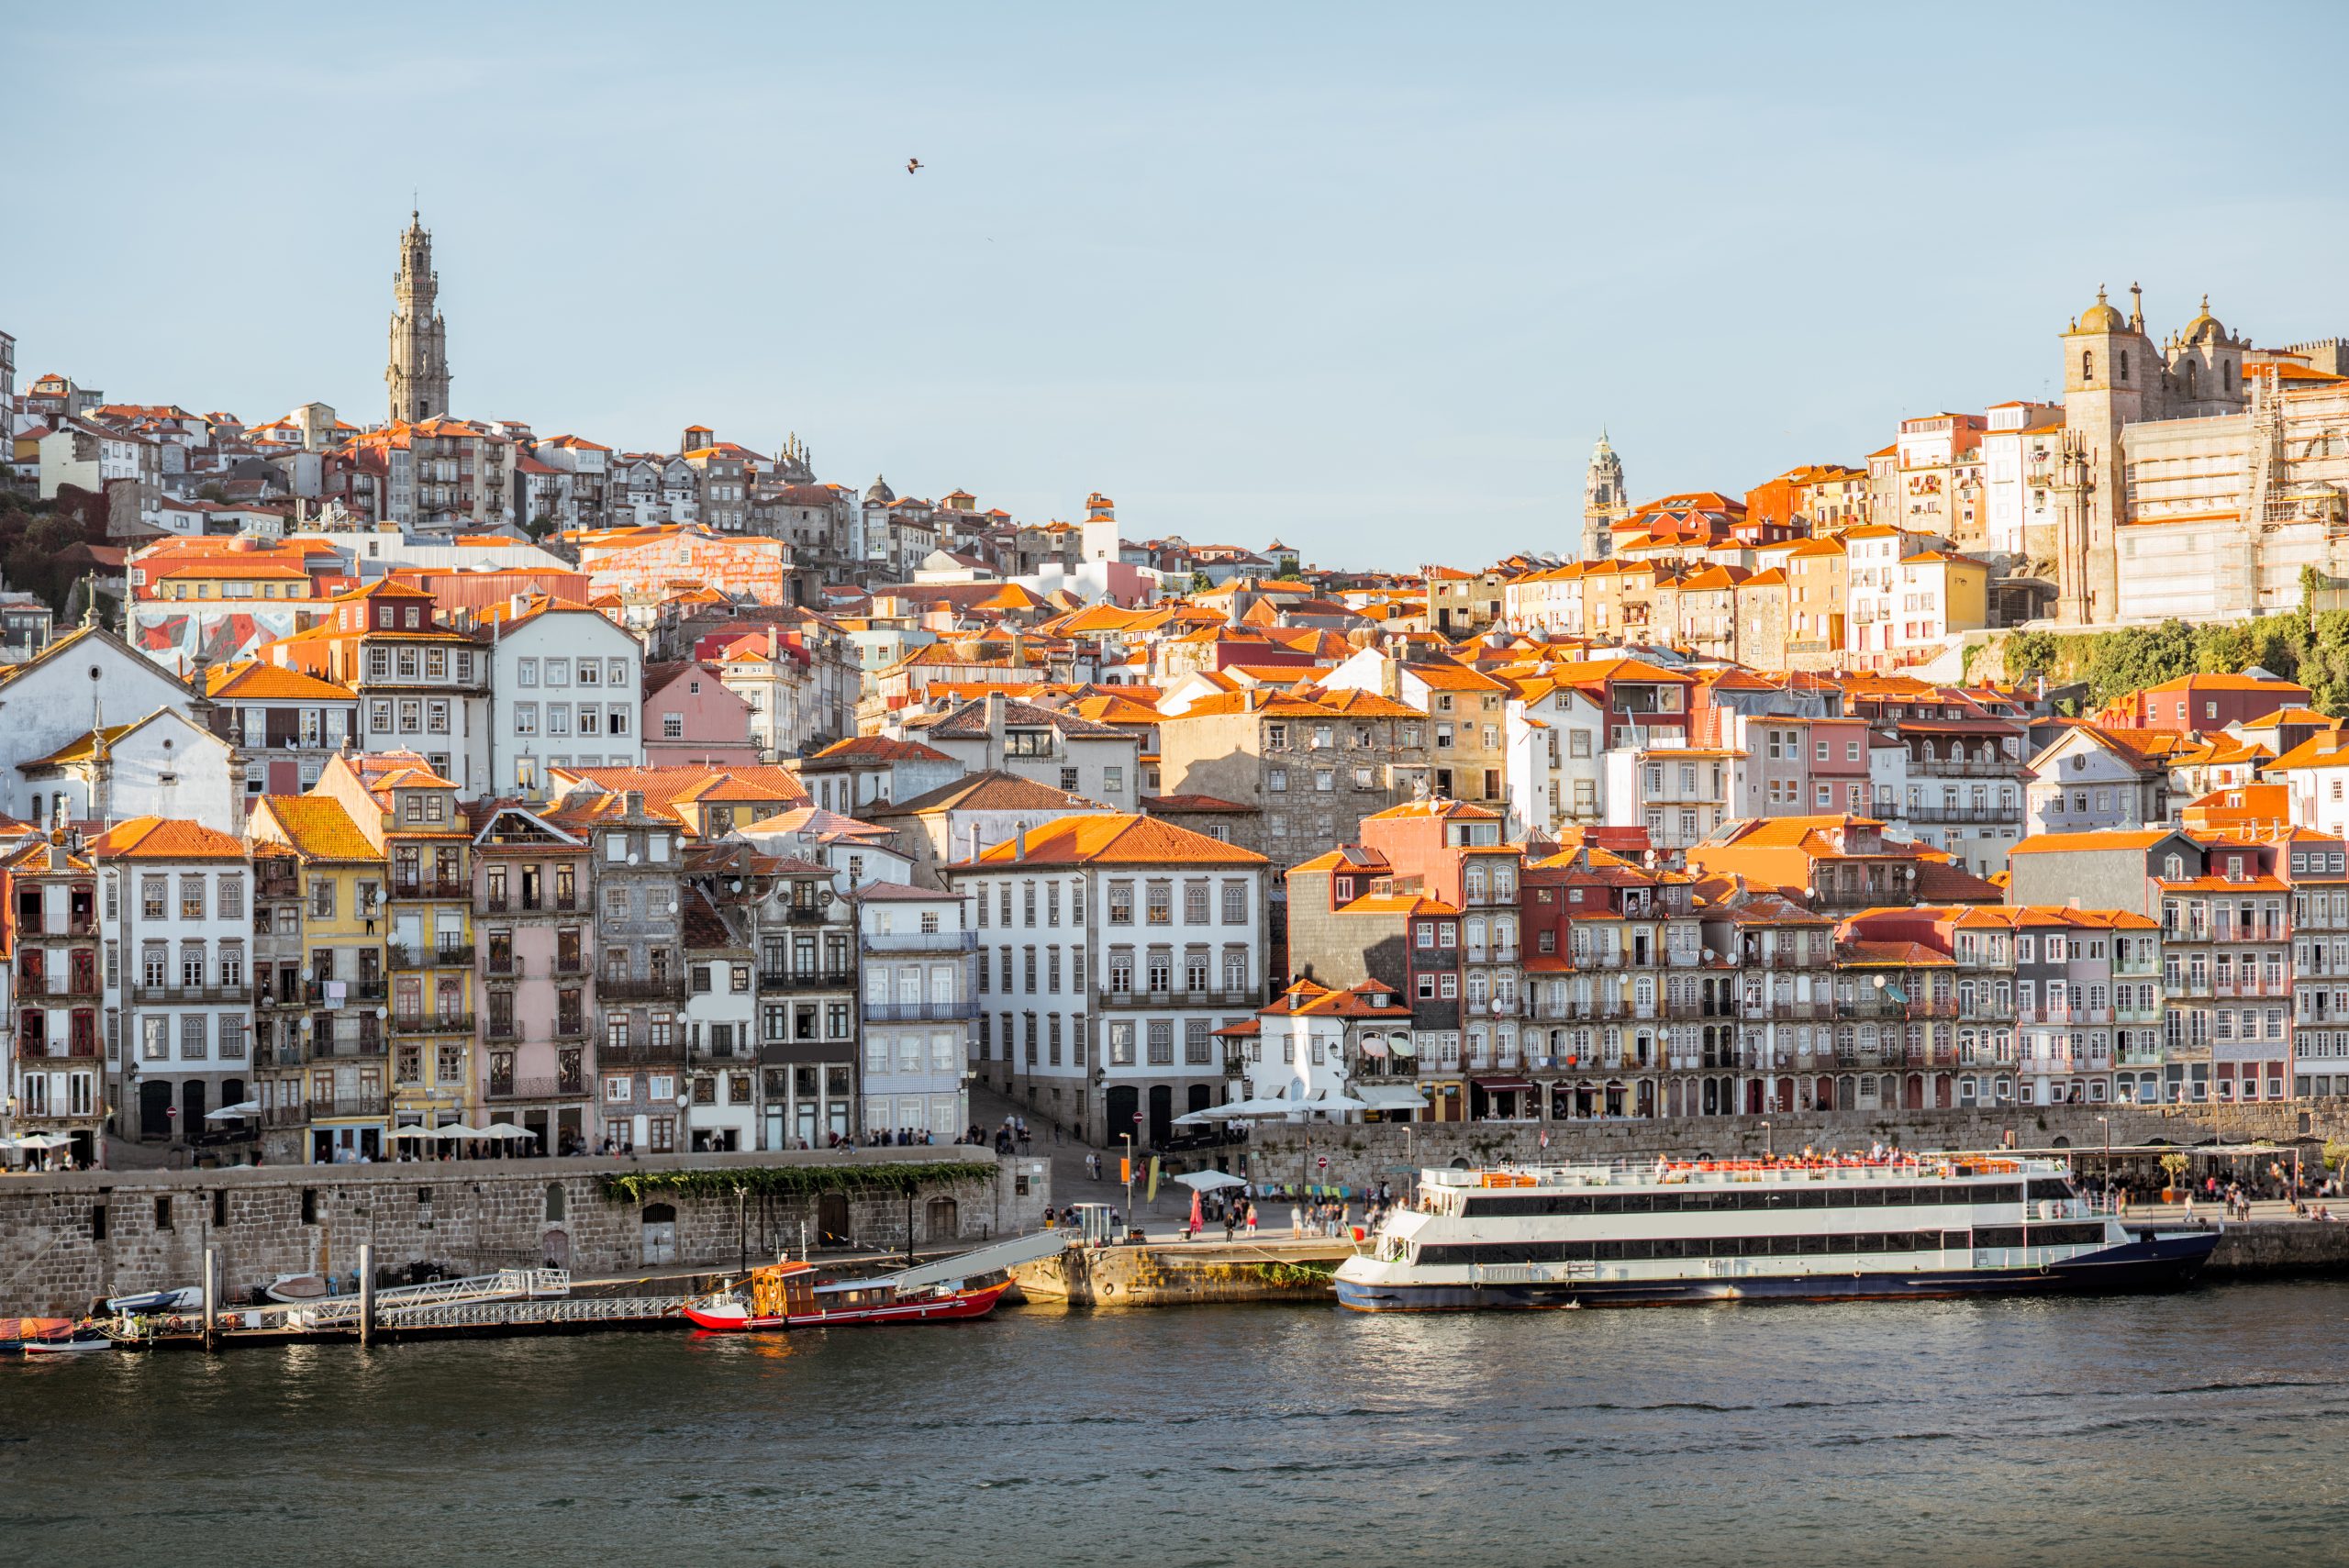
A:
[2116,376]
[1604,502]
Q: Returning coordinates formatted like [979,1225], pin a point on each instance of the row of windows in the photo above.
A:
[430,664]
[1668,1248]
[1040,903]
[1748,1199]
[560,672]
[154,897]
[591,719]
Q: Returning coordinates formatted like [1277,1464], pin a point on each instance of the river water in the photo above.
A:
[2201,1426]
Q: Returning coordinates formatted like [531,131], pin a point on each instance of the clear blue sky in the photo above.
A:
[1367,279]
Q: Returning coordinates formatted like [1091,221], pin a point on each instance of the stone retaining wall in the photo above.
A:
[68,1240]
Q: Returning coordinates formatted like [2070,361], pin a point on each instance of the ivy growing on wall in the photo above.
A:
[792,1181]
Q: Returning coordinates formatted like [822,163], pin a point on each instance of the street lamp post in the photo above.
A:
[2106,1123]
[1769,1143]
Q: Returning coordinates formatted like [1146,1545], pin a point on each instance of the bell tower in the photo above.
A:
[418,373]
[1604,502]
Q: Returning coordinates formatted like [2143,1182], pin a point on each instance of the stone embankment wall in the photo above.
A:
[1188,1275]
[2281,1247]
[1360,1155]
[68,1240]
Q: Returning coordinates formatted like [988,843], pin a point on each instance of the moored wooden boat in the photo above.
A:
[786,1296]
[31,1336]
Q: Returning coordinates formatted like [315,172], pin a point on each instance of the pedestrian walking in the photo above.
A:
[1252,1218]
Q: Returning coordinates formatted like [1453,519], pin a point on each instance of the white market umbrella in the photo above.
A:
[1330,1100]
[1209,1181]
[237,1112]
[1260,1109]
[44,1140]
[418,1132]
[506,1130]
[458,1129]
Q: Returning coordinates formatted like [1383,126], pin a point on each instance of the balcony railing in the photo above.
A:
[40,930]
[348,1105]
[515,906]
[535,1088]
[1211,997]
[30,992]
[920,942]
[364,1047]
[821,980]
[434,957]
[739,1050]
[638,1055]
[40,1050]
[1963,813]
[913,1012]
[432,887]
[1942,768]
[669,990]
[165,996]
[432,1023]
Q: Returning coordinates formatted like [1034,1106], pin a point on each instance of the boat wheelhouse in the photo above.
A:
[1726,1230]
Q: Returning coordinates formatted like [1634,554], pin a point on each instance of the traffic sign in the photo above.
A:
[1320,1161]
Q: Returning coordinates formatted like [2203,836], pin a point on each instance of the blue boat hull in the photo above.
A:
[2152,1264]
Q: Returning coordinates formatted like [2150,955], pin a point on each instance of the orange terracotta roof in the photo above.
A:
[165,838]
[1115,840]
[319,827]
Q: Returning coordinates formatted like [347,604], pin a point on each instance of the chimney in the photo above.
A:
[1019,843]
[634,801]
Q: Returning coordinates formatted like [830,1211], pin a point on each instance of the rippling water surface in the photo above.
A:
[2203,1427]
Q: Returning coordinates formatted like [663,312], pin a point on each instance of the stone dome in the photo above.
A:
[2101,317]
[2205,326]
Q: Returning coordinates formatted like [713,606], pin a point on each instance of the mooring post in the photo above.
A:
[366,1293]
[211,1295]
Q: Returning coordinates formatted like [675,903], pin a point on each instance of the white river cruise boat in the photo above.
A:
[1768,1229]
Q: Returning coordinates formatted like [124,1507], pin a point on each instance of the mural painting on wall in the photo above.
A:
[177,639]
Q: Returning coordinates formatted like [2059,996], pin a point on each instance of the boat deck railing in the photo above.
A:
[1783,1173]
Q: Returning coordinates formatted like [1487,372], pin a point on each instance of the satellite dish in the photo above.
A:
[631,859]
[672,906]
[825,896]
[734,885]
[383,1012]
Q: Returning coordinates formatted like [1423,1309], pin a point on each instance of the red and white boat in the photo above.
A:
[789,1295]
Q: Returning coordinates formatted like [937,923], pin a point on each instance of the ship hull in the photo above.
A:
[2162,1262]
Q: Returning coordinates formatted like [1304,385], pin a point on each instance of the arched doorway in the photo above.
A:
[154,1107]
[557,1244]
[1161,1114]
[941,1221]
[831,1219]
[232,1090]
[1826,1094]
[1198,1097]
[192,1108]
[659,1234]
[1124,1100]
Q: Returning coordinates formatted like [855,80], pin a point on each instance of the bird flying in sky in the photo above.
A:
[913,165]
